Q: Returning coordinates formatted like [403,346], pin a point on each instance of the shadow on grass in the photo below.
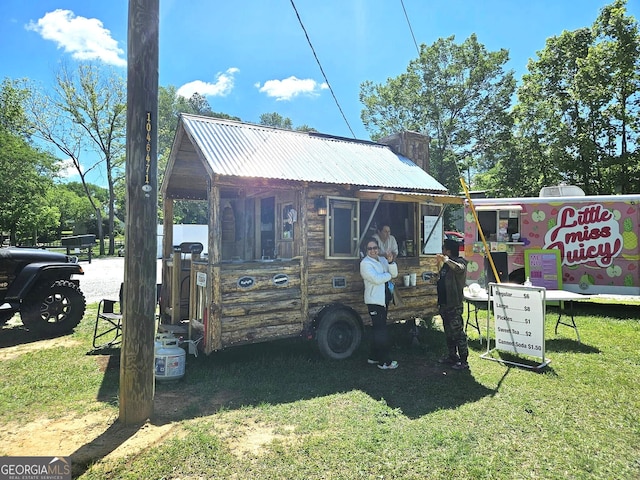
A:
[16,334]
[614,311]
[568,345]
[288,371]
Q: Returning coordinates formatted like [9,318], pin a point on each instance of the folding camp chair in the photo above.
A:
[108,323]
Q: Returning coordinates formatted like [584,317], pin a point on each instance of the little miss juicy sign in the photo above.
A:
[586,234]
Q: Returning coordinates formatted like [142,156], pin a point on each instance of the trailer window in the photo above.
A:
[499,225]
[343,227]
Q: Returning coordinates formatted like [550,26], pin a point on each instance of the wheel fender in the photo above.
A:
[34,273]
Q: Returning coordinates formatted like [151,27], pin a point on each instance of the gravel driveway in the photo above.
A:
[103,276]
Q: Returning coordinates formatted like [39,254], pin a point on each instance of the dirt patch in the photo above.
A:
[99,437]
[250,438]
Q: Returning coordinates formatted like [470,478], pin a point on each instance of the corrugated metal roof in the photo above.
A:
[248,150]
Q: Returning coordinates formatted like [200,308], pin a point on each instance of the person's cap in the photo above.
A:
[451,245]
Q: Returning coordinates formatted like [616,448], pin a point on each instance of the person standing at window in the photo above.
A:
[377,271]
[453,272]
[386,242]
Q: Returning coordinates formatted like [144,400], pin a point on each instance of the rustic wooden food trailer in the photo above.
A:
[288,212]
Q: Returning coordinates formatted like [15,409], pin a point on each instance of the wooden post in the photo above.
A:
[139,296]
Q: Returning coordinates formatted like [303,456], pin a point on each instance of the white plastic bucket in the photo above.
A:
[170,359]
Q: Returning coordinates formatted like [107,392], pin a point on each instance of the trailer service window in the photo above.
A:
[499,223]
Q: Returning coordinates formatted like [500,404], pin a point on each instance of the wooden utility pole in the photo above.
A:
[139,297]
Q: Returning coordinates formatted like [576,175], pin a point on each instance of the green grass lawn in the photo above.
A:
[280,410]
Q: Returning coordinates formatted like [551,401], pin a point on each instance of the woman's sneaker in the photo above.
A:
[388,366]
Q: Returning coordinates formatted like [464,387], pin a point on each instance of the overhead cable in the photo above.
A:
[321,69]
[410,29]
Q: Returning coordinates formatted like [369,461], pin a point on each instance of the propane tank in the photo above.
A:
[170,359]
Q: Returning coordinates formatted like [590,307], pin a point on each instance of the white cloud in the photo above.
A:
[221,88]
[67,168]
[291,87]
[84,38]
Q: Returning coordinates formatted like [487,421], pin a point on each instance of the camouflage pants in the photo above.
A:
[454,333]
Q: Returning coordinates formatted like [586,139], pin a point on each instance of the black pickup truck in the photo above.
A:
[38,284]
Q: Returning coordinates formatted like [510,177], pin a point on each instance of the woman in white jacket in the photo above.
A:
[376,272]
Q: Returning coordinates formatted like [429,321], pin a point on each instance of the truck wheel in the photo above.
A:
[5,317]
[339,334]
[53,309]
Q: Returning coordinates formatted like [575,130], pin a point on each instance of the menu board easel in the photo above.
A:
[518,313]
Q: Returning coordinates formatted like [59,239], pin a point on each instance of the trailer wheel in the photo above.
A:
[339,334]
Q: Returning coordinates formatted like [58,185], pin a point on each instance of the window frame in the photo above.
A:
[330,227]
[500,212]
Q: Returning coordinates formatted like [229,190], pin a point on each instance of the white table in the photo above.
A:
[481,300]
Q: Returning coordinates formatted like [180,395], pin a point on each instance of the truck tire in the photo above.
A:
[339,334]
[53,309]
[5,317]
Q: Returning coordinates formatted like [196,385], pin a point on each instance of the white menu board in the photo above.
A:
[434,245]
[519,313]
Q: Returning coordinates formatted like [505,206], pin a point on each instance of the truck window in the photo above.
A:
[343,223]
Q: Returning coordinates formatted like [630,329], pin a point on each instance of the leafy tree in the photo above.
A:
[170,106]
[577,112]
[616,59]
[74,206]
[26,171]
[24,183]
[457,94]
[276,120]
[12,114]
[87,110]
[305,128]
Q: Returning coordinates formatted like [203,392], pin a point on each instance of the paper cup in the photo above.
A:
[412,279]
[406,280]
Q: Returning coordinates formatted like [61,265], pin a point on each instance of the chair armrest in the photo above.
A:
[107,306]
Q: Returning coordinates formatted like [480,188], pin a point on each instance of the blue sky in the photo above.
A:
[251,57]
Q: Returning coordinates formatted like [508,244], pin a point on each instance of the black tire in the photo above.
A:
[53,309]
[5,317]
[339,334]
[517,276]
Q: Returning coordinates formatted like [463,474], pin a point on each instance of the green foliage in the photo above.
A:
[577,118]
[458,95]
[24,183]
[12,115]
[276,120]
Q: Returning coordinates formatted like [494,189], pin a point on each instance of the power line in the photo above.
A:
[321,69]
[410,29]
